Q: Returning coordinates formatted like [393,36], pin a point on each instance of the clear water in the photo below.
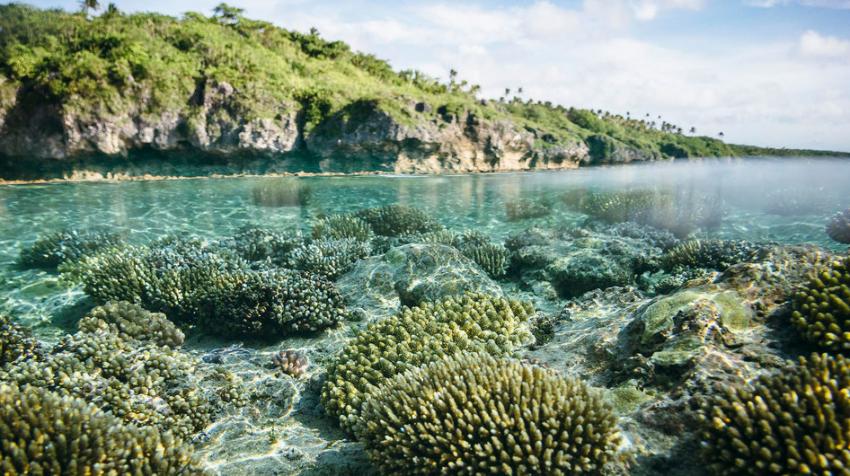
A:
[780,200]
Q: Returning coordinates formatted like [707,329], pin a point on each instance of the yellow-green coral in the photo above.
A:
[822,307]
[796,421]
[475,414]
[417,336]
[132,322]
[338,227]
[397,220]
[15,342]
[43,433]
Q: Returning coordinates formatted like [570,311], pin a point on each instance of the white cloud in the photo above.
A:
[813,43]
[836,4]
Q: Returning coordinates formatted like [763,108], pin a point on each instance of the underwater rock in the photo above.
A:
[505,418]
[668,336]
[411,274]
[838,227]
[579,260]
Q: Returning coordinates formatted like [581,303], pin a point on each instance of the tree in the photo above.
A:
[507,92]
[88,6]
[693,130]
[227,15]
[721,134]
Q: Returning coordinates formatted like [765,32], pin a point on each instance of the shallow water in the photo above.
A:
[786,201]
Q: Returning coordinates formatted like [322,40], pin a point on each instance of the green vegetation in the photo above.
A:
[43,433]
[148,64]
[417,336]
[796,421]
[475,414]
[822,307]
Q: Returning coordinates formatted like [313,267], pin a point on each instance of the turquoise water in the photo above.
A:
[780,200]
[283,430]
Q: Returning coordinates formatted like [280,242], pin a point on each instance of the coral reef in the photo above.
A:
[524,209]
[291,362]
[417,336]
[270,304]
[796,421]
[51,250]
[714,254]
[838,227]
[396,220]
[477,414]
[338,227]
[328,257]
[43,433]
[822,307]
[132,322]
[165,276]
[260,244]
[15,342]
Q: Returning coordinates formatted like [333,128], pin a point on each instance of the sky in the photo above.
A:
[763,72]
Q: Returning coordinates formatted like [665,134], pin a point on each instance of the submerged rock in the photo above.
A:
[412,274]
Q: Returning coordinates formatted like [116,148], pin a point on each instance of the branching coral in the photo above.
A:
[15,342]
[838,227]
[260,244]
[270,304]
[396,220]
[141,383]
[337,227]
[794,422]
[327,257]
[493,258]
[417,336]
[51,250]
[713,254]
[474,414]
[822,307]
[132,322]
[43,433]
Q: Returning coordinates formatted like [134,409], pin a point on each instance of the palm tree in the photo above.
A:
[452,75]
[507,92]
[721,134]
[89,6]
[693,130]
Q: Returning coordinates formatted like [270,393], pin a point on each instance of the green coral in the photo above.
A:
[328,257]
[475,414]
[260,244]
[397,220]
[714,254]
[15,342]
[796,421]
[164,276]
[141,383]
[417,336]
[525,209]
[43,433]
[822,307]
[132,322]
[339,227]
[270,304]
[51,250]
[491,257]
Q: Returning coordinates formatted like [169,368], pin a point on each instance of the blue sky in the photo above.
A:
[767,72]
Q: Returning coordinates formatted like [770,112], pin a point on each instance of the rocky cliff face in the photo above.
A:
[361,137]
